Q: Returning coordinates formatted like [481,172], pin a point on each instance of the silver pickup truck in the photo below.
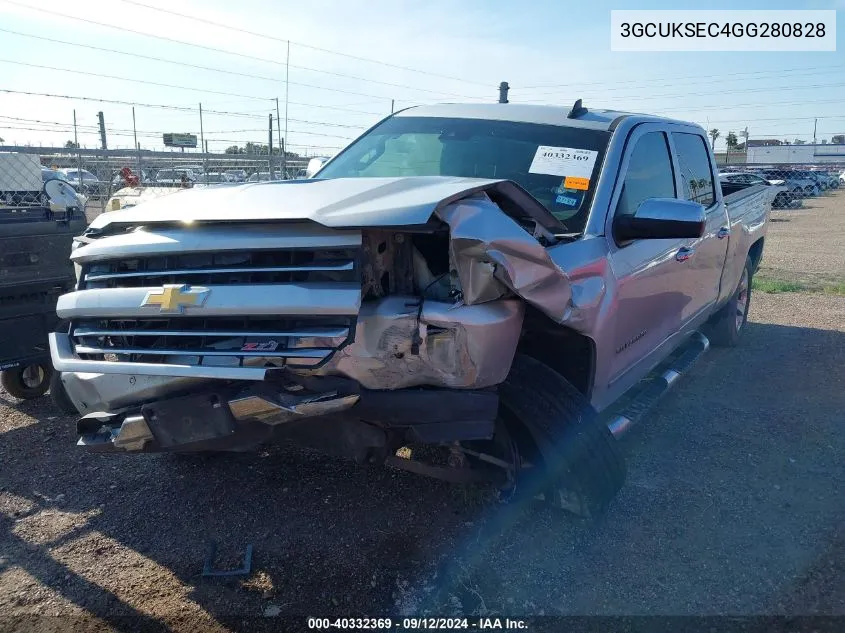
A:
[473,292]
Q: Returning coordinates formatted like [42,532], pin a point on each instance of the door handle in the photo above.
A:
[723,233]
[684,254]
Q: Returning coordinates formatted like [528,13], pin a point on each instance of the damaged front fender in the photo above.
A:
[495,257]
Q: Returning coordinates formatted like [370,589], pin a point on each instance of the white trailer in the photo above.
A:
[20,179]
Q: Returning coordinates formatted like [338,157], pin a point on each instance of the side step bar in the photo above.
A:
[648,397]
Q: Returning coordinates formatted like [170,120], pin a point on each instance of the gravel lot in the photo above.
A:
[734,504]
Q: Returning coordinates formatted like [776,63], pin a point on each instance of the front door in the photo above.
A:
[652,292]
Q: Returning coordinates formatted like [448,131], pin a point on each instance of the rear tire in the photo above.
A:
[27,382]
[728,323]
[576,464]
[58,394]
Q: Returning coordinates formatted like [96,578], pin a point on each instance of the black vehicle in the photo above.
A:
[35,244]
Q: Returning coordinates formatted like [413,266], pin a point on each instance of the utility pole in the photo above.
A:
[503,92]
[815,124]
[102,130]
[78,153]
[137,146]
[281,145]
[392,103]
[202,147]
[287,91]
[270,145]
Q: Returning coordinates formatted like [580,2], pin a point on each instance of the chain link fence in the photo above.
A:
[113,179]
[97,175]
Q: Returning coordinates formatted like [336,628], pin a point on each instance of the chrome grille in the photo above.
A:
[223,268]
[212,341]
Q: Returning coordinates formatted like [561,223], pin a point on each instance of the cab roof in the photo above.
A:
[594,119]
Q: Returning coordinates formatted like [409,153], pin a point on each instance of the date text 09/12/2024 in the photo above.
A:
[417,624]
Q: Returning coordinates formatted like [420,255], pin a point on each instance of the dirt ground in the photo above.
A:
[733,505]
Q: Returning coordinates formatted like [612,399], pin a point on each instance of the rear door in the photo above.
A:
[706,255]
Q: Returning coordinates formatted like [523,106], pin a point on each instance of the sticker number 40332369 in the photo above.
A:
[563,161]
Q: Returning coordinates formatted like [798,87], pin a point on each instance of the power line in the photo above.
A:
[747,90]
[129,79]
[68,127]
[750,105]
[176,87]
[719,77]
[315,48]
[130,103]
[221,70]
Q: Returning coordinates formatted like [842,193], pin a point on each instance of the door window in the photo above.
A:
[694,163]
[649,174]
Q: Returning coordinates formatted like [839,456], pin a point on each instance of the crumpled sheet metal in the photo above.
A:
[397,345]
[495,257]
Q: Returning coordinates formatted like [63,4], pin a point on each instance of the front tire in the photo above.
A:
[575,462]
[729,322]
[27,382]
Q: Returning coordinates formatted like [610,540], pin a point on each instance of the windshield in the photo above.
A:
[558,165]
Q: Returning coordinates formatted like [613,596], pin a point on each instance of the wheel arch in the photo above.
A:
[756,254]
[569,353]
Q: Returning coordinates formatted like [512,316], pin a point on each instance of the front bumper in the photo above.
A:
[340,417]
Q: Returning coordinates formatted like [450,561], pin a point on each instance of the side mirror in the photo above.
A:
[314,165]
[661,218]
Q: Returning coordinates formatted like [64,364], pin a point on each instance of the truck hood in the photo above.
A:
[334,203]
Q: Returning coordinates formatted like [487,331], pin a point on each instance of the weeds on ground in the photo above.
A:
[776,286]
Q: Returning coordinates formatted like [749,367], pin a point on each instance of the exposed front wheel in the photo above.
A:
[727,324]
[567,457]
[27,382]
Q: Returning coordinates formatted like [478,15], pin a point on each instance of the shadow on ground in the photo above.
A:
[734,487]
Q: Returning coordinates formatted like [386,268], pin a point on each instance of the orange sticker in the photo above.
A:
[571,182]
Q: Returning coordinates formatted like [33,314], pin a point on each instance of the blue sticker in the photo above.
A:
[567,201]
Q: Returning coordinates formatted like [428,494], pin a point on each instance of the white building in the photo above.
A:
[809,154]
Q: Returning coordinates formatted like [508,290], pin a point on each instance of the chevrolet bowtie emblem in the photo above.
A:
[175,297]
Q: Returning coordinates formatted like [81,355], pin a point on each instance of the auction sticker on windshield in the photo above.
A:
[563,161]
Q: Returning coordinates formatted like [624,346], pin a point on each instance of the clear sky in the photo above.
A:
[549,52]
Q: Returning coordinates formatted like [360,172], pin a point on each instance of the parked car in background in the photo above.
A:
[128,197]
[196,170]
[175,177]
[264,176]
[819,182]
[238,175]
[118,181]
[794,181]
[782,200]
[830,178]
[86,182]
[54,174]
[214,178]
